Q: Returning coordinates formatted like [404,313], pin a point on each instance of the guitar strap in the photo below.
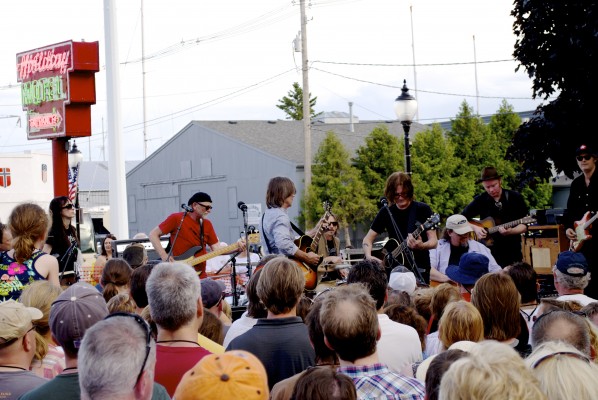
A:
[295,228]
[201,232]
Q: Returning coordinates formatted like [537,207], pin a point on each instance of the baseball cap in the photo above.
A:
[471,268]
[74,311]
[199,197]
[585,149]
[572,264]
[234,374]
[458,223]
[211,292]
[16,320]
[402,279]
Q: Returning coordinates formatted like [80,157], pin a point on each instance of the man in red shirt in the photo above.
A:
[196,231]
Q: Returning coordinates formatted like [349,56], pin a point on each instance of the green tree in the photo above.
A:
[292,104]
[336,180]
[557,44]
[437,176]
[380,156]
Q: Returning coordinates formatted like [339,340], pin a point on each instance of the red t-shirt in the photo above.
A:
[189,235]
[173,362]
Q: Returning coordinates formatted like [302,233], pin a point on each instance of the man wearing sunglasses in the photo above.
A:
[583,200]
[195,230]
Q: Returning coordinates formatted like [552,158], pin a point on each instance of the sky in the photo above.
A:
[233,60]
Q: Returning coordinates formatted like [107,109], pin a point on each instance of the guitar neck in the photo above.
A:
[198,260]
[590,221]
[401,248]
[316,238]
[511,224]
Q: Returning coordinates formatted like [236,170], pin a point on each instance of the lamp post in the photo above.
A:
[405,109]
[75,158]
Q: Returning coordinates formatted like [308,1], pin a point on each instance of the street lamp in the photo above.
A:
[75,158]
[405,109]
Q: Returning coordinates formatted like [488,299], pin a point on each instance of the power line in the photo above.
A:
[412,65]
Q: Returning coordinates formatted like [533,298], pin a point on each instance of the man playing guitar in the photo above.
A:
[406,213]
[195,231]
[583,200]
[503,206]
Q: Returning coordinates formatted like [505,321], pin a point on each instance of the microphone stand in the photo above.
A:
[246,225]
[178,230]
[233,276]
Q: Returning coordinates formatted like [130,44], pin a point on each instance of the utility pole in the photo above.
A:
[143,85]
[306,107]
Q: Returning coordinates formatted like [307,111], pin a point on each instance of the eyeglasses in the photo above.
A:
[69,206]
[148,336]
[206,207]
[560,353]
[403,195]
[584,157]
[333,223]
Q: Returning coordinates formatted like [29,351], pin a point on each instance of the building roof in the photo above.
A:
[94,176]
[285,138]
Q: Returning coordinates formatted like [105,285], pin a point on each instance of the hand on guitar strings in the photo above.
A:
[570,233]
[480,232]
[415,244]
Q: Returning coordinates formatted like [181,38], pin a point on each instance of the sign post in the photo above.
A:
[57,91]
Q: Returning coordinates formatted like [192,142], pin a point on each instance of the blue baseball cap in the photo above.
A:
[471,268]
[572,264]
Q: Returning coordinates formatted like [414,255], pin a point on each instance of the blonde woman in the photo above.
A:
[25,263]
[49,357]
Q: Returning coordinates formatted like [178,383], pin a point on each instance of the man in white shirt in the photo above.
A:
[571,276]
[399,344]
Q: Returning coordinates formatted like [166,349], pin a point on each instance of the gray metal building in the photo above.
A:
[232,161]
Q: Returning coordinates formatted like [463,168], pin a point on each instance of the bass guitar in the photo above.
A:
[308,244]
[491,228]
[392,249]
[582,231]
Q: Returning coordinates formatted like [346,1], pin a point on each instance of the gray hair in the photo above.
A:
[172,293]
[571,282]
[563,326]
[111,356]
[564,372]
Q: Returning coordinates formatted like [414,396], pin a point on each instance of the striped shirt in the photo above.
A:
[378,382]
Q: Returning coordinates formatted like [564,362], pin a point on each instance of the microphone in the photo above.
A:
[186,208]
[383,201]
[242,206]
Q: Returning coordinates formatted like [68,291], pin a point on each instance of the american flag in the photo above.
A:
[73,183]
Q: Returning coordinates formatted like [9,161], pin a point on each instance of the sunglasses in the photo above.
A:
[584,157]
[69,206]
[148,337]
[403,195]
[206,207]
[333,223]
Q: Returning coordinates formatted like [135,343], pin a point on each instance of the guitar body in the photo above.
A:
[582,231]
[310,273]
[188,254]
[391,261]
[485,223]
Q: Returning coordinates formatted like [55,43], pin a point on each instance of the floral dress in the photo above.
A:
[14,276]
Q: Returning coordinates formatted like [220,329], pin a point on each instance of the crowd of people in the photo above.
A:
[458,320]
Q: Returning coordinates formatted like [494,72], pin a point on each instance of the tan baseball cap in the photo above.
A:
[16,320]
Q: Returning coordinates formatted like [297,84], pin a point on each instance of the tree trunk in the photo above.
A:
[347,235]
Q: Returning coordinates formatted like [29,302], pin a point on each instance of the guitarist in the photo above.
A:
[503,206]
[277,231]
[406,212]
[195,230]
[583,197]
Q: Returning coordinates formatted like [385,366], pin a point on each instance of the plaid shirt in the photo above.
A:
[378,382]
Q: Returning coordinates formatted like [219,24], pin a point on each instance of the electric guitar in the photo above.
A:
[491,228]
[393,249]
[582,231]
[308,244]
[198,260]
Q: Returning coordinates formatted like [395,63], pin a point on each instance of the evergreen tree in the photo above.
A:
[381,155]
[292,104]
[336,180]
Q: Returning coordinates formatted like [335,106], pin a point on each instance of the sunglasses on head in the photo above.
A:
[146,331]
[584,157]
[69,206]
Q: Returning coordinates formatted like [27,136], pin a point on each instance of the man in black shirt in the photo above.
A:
[503,206]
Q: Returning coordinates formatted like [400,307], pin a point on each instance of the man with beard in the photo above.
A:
[456,241]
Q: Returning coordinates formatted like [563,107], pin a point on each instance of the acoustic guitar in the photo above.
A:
[582,231]
[491,228]
[192,260]
[308,244]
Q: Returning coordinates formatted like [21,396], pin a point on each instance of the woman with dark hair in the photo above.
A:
[25,263]
[116,278]
[62,241]
[106,253]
